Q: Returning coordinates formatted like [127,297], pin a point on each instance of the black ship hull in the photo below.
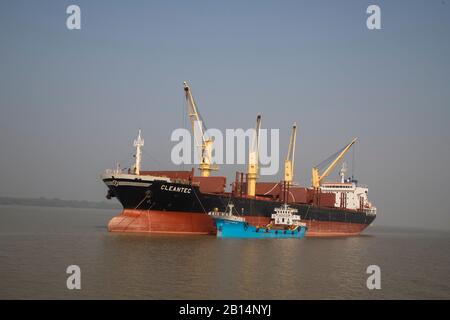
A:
[163,206]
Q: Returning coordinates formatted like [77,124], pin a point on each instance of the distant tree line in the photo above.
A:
[55,202]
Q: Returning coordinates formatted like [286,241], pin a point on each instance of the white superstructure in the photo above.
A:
[348,194]
[287,216]
[227,215]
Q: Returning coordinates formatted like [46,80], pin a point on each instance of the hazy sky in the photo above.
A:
[71,101]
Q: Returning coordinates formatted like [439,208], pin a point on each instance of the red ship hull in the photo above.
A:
[152,221]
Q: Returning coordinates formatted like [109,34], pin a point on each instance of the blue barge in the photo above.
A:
[284,224]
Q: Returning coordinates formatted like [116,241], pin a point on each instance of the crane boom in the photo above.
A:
[253,160]
[290,158]
[316,178]
[203,143]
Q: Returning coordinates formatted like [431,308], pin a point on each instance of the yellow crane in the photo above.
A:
[290,158]
[253,160]
[316,177]
[203,143]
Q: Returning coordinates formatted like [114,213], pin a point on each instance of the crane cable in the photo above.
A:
[328,160]
[353,161]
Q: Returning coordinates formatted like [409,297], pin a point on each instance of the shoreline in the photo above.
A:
[57,203]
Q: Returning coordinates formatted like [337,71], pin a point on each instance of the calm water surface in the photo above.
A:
[37,245]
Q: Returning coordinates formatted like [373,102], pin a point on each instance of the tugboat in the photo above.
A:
[284,224]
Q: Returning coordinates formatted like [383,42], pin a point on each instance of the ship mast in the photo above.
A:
[343,171]
[253,160]
[290,158]
[203,143]
[138,143]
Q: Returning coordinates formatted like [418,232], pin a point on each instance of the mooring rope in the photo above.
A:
[145,197]
[199,200]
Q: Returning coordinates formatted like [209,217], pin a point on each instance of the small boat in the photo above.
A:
[284,224]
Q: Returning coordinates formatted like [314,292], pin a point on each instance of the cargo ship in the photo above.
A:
[179,201]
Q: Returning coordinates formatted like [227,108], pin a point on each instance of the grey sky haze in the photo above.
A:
[71,101]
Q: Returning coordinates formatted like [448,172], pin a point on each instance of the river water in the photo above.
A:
[37,244]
